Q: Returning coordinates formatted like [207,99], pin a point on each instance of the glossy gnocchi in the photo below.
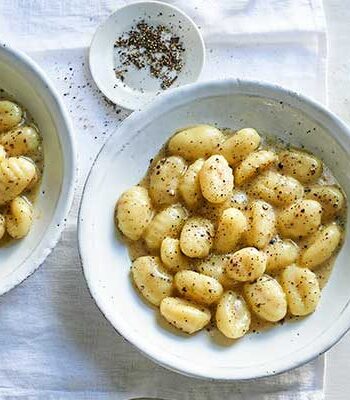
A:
[21,164]
[232,231]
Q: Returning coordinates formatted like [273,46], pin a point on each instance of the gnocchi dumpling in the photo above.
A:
[172,256]
[200,141]
[261,224]
[215,266]
[16,174]
[276,189]
[300,219]
[134,212]
[196,237]
[231,226]
[330,197]
[198,287]
[232,315]
[10,115]
[184,315]
[302,289]
[246,264]
[2,226]
[164,180]
[253,164]
[238,146]
[266,298]
[20,141]
[216,179]
[280,253]
[151,278]
[19,217]
[320,246]
[300,165]
[189,187]
[168,222]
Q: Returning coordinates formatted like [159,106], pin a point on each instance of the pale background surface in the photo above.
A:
[338,20]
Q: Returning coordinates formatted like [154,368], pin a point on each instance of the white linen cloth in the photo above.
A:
[55,344]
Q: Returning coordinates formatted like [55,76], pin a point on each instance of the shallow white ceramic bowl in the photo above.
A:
[121,164]
[139,88]
[23,79]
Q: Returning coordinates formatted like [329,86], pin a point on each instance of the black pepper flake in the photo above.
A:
[150,47]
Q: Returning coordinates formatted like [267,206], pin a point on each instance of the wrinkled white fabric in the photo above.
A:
[54,342]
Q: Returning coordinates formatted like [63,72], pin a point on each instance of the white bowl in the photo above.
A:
[124,160]
[23,79]
[139,88]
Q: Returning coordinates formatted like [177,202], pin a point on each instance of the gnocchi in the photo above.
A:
[228,228]
[198,287]
[240,145]
[231,226]
[232,315]
[151,278]
[164,180]
[168,222]
[300,165]
[184,315]
[21,164]
[134,212]
[300,219]
[253,164]
[189,186]
[277,189]
[320,246]
[196,237]
[200,141]
[216,179]
[261,224]
[172,256]
[247,264]
[266,298]
[302,289]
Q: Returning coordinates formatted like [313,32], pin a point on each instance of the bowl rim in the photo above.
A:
[53,232]
[121,103]
[166,102]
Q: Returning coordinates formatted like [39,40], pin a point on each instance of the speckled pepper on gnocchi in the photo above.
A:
[229,230]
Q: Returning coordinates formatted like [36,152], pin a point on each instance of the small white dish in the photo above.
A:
[28,84]
[138,87]
[123,162]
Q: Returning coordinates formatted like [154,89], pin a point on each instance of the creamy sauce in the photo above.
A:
[37,157]
[240,199]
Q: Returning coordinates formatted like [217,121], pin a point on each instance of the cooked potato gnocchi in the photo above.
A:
[151,278]
[172,256]
[300,165]
[200,141]
[198,287]
[167,223]
[231,230]
[231,226]
[189,187]
[247,264]
[196,237]
[261,224]
[184,315]
[237,147]
[266,298]
[134,212]
[302,289]
[21,163]
[216,179]
[232,315]
[164,180]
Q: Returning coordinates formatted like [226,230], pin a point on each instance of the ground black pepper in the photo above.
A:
[150,47]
